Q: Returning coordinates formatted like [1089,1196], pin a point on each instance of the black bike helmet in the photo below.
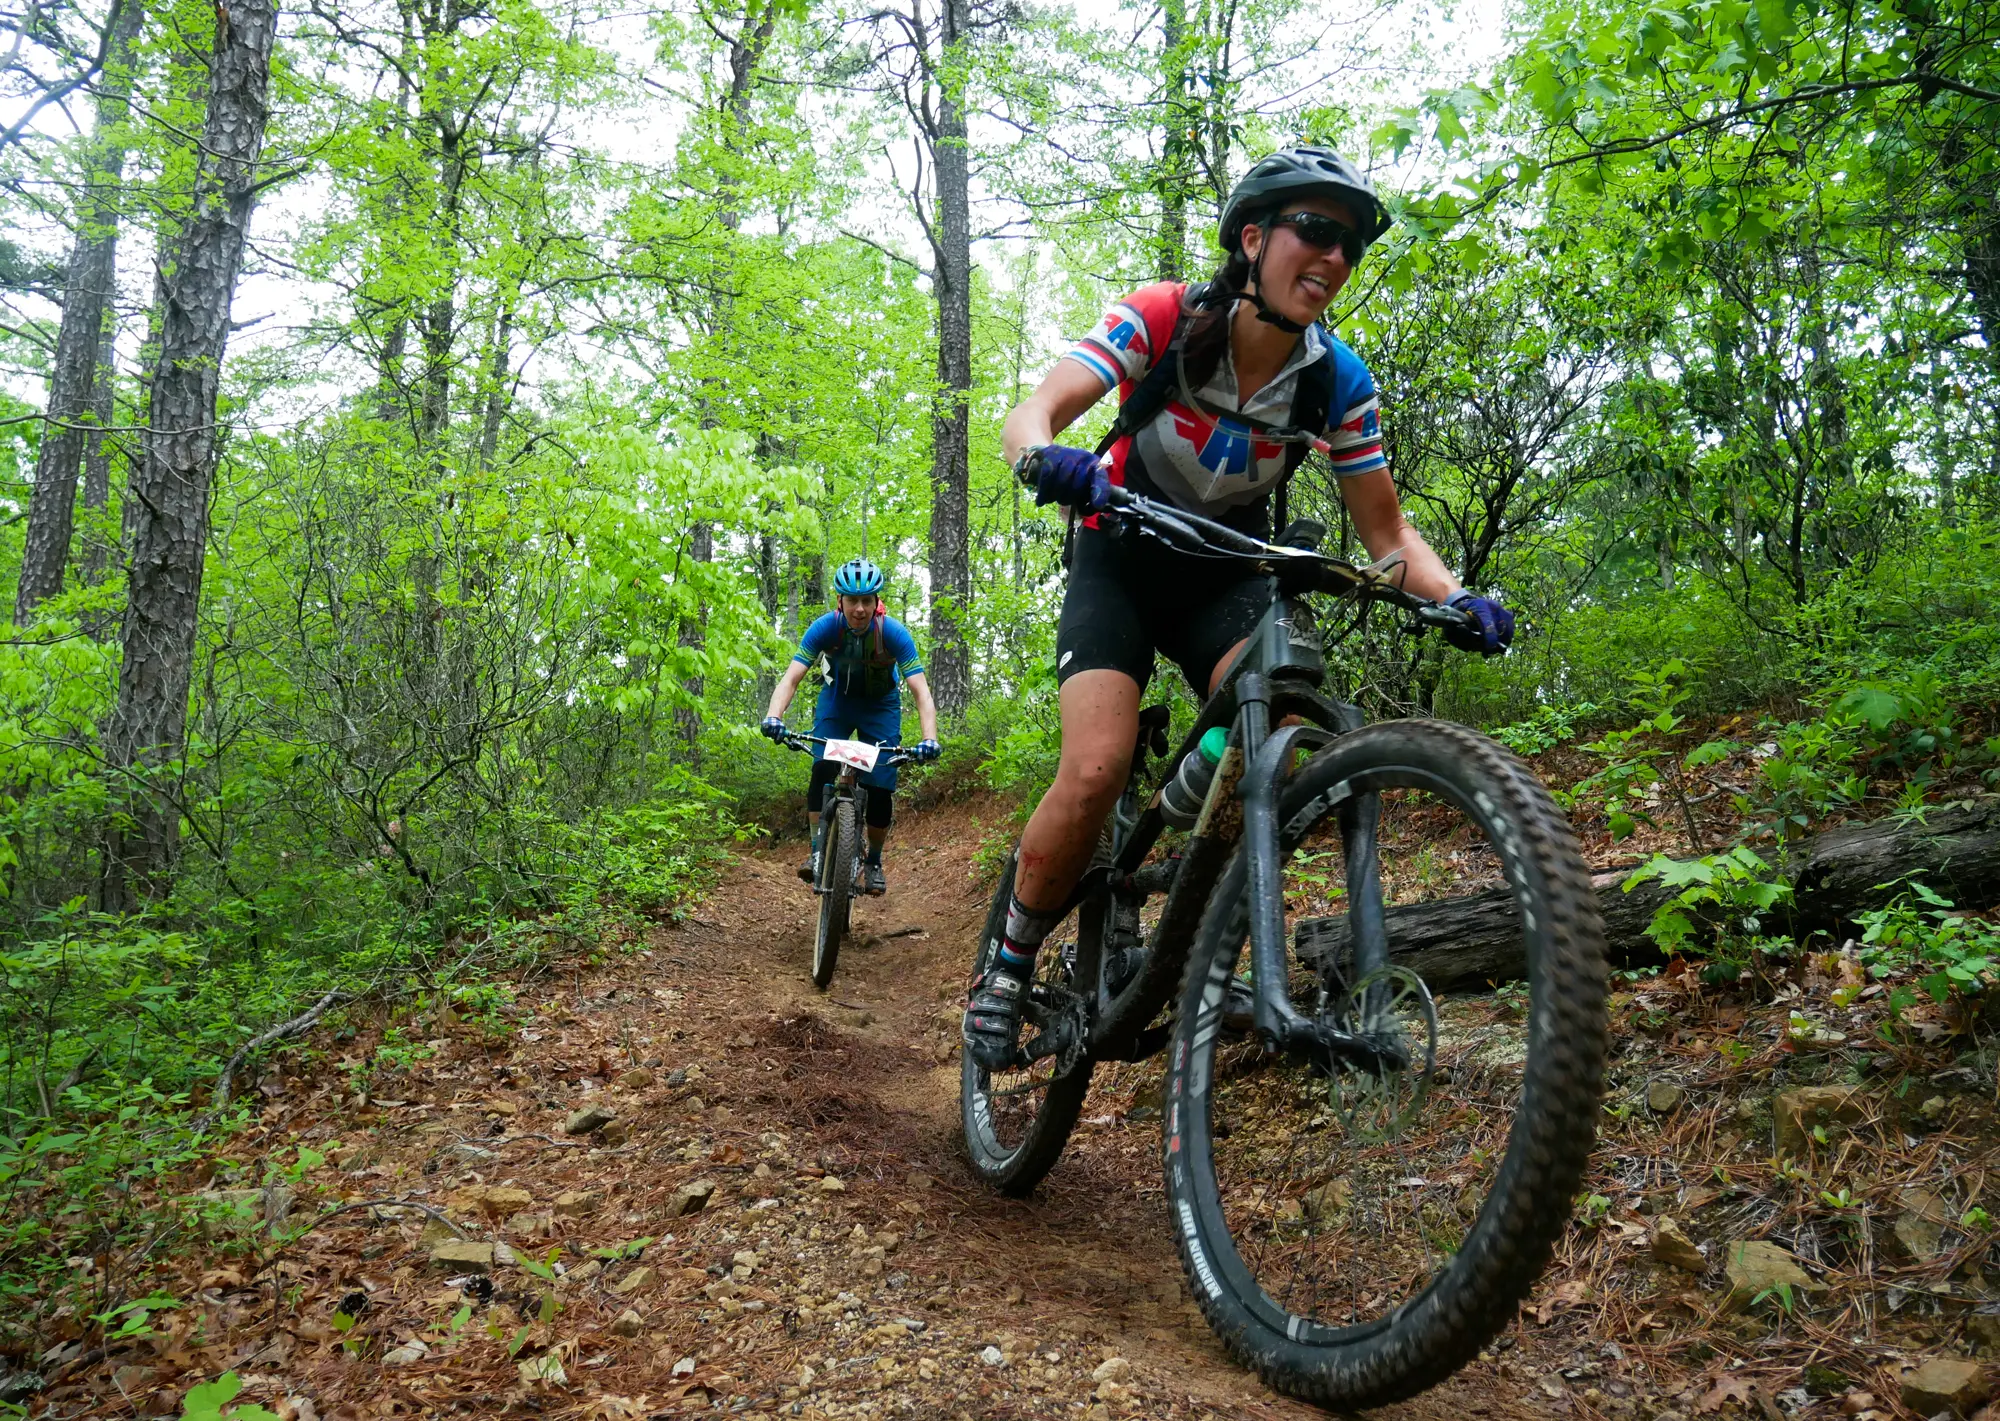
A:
[1302,171]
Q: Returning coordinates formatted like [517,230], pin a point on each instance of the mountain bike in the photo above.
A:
[1362,1188]
[840,839]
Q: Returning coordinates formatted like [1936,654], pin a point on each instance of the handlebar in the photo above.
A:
[1299,569]
[891,754]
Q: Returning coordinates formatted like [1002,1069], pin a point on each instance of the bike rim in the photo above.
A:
[1329,1226]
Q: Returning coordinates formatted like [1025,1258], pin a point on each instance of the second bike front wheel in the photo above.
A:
[1017,1121]
[837,874]
[1357,1235]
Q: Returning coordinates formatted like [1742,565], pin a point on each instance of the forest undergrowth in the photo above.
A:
[1788,1208]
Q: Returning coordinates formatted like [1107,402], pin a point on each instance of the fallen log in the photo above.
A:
[1464,943]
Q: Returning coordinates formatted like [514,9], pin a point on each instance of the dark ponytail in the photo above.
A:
[1210,311]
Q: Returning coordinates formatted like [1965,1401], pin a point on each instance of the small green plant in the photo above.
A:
[1594,1210]
[1976,1220]
[1634,766]
[619,1252]
[1545,729]
[208,1401]
[1720,908]
[1781,1291]
[133,1319]
[343,1323]
[1809,775]
[1923,930]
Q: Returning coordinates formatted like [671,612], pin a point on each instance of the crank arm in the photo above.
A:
[1327,1046]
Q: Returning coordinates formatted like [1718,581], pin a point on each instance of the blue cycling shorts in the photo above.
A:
[842,719]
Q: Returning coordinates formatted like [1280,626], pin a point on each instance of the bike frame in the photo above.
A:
[1276,677]
[843,786]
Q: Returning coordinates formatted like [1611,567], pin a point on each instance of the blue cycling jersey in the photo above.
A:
[863,668]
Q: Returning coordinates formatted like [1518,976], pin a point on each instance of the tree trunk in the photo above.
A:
[97,477]
[499,368]
[168,503]
[1177,123]
[1465,942]
[949,660]
[87,298]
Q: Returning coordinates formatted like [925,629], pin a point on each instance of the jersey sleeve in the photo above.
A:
[896,637]
[1131,335]
[1354,423]
[821,639]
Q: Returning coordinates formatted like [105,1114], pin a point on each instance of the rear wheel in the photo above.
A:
[837,878]
[1357,1235]
[1017,1121]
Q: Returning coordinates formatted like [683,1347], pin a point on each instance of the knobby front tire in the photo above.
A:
[1351,1264]
[837,862]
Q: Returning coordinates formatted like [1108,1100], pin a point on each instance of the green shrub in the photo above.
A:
[1957,954]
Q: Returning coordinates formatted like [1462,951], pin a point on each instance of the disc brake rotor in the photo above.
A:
[1392,1007]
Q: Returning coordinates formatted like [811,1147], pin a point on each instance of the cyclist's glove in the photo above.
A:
[1070,477]
[774,728]
[1493,635]
[925,751]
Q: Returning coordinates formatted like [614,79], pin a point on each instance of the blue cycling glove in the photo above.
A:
[773,727]
[1495,632]
[1070,477]
[925,751]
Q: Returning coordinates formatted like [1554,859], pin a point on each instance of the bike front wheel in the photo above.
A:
[1356,1235]
[837,884]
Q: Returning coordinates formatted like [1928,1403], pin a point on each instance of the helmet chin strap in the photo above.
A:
[1266,312]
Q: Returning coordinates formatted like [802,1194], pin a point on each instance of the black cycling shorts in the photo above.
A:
[1126,600]
[879,805]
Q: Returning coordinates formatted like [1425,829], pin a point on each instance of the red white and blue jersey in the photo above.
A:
[1208,465]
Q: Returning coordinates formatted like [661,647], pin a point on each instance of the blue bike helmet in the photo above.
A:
[857,578]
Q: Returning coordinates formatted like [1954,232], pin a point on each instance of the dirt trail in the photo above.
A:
[875,1269]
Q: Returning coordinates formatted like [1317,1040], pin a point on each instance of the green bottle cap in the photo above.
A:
[1214,743]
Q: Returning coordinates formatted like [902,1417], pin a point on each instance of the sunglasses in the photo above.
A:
[1316,229]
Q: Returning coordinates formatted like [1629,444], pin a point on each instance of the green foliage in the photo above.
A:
[1720,908]
[1547,728]
[210,1402]
[1954,954]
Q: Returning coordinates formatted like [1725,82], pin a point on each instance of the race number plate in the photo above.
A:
[853,752]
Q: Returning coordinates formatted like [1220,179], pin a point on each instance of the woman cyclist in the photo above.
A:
[1253,375]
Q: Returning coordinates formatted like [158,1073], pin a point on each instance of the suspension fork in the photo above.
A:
[1279,1024]
[1277,1021]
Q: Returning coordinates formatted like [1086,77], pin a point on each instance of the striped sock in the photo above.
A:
[1022,938]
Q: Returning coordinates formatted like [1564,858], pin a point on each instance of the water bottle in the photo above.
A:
[1182,796]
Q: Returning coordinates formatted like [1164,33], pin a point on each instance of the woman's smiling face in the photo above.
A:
[1299,280]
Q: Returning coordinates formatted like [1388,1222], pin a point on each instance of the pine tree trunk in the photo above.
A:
[169,490]
[87,296]
[949,659]
[99,545]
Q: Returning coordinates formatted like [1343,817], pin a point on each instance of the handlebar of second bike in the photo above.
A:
[891,754]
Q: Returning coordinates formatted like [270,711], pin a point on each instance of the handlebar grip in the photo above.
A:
[1439,615]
